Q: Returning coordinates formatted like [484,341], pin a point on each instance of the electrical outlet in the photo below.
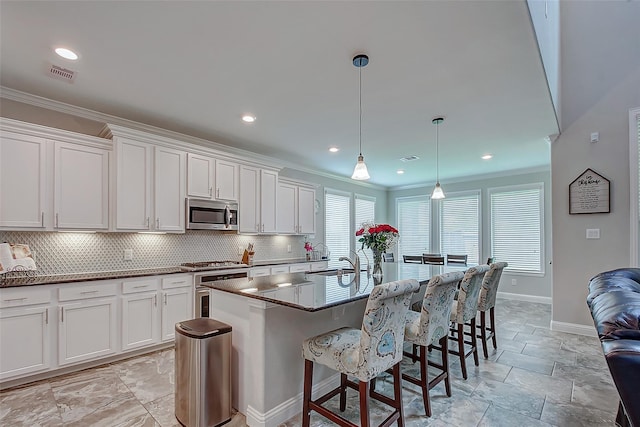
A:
[240,250]
[289,248]
[593,233]
[128,254]
[514,282]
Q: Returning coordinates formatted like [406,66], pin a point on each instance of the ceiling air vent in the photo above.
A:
[409,158]
[61,73]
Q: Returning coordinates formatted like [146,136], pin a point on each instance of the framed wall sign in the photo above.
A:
[589,193]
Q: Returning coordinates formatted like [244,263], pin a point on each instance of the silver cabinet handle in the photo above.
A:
[46,316]
[165,299]
[155,300]
[139,286]
[56,220]
[15,299]
[62,314]
[42,218]
[157,222]
[147,222]
[217,193]
[210,191]
[88,292]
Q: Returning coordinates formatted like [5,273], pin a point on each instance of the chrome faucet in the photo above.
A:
[355,264]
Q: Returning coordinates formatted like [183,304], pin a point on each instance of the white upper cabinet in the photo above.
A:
[210,178]
[81,194]
[296,208]
[133,185]
[258,189]
[52,179]
[169,190]
[22,181]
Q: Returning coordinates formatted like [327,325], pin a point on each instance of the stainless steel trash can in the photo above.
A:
[203,372]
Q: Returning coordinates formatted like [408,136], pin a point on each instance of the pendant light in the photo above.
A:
[360,172]
[437,191]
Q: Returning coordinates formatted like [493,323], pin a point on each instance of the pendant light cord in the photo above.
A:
[437,152]
[360,131]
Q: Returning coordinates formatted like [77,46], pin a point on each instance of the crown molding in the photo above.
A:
[32,129]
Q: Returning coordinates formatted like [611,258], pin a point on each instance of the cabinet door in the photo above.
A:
[249,204]
[226,180]
[200,176]
[22,181]
[140,320]
[177,305]
[133,185]
[25,337]
[287,208]
[86,330]
[81,192]
[306,210]
[169,189]
[268,201]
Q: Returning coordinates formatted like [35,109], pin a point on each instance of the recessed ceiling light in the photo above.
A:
[400,171]
[66,53]
[248,118]
[487,156]
[334,149]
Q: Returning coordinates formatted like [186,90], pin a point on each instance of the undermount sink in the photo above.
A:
[334,272]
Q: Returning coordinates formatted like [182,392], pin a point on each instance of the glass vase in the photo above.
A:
[377,262]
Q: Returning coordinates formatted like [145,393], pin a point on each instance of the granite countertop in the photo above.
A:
[283,261]
[10,282]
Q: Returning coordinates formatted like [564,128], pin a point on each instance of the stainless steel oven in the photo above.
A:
[211,215]
[203,293]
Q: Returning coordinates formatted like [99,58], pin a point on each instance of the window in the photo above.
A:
[414,221]
[459,224]
[365,211]
[516,227]
[337,225]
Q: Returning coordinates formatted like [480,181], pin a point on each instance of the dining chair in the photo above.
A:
[413,259]
[362,353]
[388,257]
[435,259]
[457,259]
[487,302]
[463,312]
[427,325]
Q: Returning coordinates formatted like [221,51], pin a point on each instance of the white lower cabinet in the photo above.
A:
[140,313]
[177,304]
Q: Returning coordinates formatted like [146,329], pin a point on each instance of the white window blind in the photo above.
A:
[516,227]
[365,211]
[460,225]
[414,220]
[337,226]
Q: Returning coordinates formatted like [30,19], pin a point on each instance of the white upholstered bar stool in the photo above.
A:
[429,326]
[487,302]
[464,311]
[362,353]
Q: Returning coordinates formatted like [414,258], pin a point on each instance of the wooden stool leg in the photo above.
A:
[444,344]
[364,403]
[397,389]
[474,341]
[463,364]
[492,319]
[483,334]
[308,376]
[343,392]
[424,380]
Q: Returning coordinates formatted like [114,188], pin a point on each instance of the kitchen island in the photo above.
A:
[271,316]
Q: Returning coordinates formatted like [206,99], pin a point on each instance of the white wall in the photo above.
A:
[535,288]
[600,82]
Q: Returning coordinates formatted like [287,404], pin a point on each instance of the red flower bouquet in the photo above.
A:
[377,237]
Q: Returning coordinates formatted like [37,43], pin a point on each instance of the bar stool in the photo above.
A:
[464,311]
[429,326]
[363,354]
[487,302]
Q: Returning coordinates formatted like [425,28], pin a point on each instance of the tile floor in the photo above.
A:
[536,377]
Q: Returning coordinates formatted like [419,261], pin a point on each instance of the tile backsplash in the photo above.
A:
[63,253]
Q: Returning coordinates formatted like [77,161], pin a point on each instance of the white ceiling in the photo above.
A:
[196,67]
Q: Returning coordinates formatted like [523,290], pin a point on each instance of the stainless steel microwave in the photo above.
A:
[211,215]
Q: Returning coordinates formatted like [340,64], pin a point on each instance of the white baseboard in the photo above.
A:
[522,297]
[289,408]
[574,328]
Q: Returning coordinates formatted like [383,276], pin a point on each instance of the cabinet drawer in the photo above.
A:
[177,282]
[319,266]
[299,268]
[130,287]
[20,297]
[87,291]
[279,269]
[259,271]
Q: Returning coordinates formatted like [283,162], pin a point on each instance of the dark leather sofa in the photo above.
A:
[614,300]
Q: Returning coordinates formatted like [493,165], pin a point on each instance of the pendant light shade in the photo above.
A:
[360,172]
[437,193]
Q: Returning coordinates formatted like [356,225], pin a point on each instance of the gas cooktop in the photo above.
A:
[211,265]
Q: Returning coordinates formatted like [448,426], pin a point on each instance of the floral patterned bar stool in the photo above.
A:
[464,311]
[487,302]
[362,353]
[429,326]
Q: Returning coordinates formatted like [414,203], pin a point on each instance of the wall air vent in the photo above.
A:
[409,158]
[61,73]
